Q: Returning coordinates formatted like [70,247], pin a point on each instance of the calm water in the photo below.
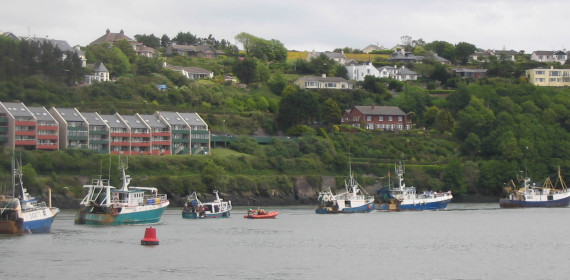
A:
[468,241]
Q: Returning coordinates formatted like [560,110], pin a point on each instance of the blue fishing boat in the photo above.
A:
[195,209]
[405,198]
[531,195]
[106,205]
[23,213]
[354,200]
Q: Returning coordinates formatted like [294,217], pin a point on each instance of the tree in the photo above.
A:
[442,48]
[150,41]
[164,41]
[266,50]
[277,83]
[299,107]
[331,112]
[453,177]
[246,70]
[475,118]
[185,39]
[127,49]
[463,50]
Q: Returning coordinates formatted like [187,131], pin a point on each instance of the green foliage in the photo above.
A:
[265,50]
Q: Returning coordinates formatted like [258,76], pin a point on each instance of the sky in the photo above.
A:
[310,25]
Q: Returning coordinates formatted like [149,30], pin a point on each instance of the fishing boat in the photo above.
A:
[531,195]
[106,205]
[406,198]
[195,209]
[260,214]
[23,213]
[354,200]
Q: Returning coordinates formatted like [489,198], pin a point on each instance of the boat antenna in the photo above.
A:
[13,166]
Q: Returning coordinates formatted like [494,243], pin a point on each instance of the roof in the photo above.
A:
[112,38]
[192,70]
[70,114]
[133,121]
[153,121]
[548,52]
[60,44]
[41,113]
[93,118]
[113,121]
[380,110]
[192,118]
[325,79]
[196,48]
[17,109]
[406,71]
[100,67]
[465,70]
[173,118]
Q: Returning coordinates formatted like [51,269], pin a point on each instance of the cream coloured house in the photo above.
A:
[549,77]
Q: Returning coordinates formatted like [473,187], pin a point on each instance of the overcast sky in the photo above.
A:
[302,25]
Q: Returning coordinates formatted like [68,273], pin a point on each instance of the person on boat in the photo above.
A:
[260,211]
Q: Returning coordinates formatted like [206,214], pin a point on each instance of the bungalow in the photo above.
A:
[319,82]
[549,56]
[470,73]
[338,57]
[371,48]
[205,50]
[372,117]
[405,74]
[192,73]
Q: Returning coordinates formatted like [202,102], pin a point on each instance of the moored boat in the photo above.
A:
[23,213]
[106,205]
[531,195]
[195,209]
[260,214]
[405,198]
[354,200]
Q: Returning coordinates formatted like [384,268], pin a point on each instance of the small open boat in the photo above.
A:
[260,214]
[195,209]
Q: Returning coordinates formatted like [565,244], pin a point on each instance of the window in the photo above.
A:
[555,73]
[539,72]
[368,118]
[381,118]
[400,118]
[390,118]
[539,80]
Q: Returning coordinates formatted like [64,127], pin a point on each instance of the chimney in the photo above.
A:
[324,75]
[372,106]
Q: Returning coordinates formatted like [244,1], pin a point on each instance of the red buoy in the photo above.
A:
[149,237]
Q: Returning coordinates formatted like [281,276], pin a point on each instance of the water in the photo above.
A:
[468,241]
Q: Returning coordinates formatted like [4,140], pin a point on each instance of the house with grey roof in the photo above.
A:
[323,82]
[200,136]
[100,74]
[73,128]
[371,48]
[119,134]
[47,129]
[204,50]
[140,134]
[549,56]
[17,126]
[470,73]
[404,74]
[62,45]
[338,57]
[180,132]
[99,139]
[385,118]
[192,73]
[161,133]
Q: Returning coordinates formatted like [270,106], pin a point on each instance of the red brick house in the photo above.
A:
[372,117]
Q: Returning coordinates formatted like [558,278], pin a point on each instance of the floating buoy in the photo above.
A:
[149,237]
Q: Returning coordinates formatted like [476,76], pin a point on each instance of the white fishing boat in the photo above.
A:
[195,209]
[106,205]
[531,195]
[354,200]
[406,198]
[22,213]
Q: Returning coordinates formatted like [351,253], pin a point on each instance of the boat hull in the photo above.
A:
[36,221]
[270,215]
[40,225]
[365,208]
[196,215]
[509,203]
[142,215]
[423,205]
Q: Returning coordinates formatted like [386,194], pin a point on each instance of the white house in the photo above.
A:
[358,72]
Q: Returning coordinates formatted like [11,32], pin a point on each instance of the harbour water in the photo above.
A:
[467,241]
